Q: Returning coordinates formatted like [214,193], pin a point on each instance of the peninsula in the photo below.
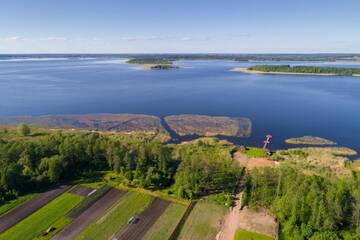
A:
[300,70]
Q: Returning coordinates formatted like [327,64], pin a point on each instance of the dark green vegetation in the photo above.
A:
[307,206]
[163,67]
[32,163]
[306,69]
[245,235]
[206,167]
[160,61]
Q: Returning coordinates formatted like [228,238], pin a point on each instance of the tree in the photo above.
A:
[53,167]
[325,236]
[23,129]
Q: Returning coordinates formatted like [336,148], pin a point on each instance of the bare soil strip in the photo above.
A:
[230,224]
[90,214]
[81,190]
[146,220]
[251,163]
[13,217]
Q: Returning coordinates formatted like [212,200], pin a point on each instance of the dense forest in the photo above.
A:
[163,67]
[29,162]
[306,69]
[307,206]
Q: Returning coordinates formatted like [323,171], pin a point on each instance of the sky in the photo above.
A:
[179,26]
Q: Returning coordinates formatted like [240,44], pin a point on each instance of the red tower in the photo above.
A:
[267,141]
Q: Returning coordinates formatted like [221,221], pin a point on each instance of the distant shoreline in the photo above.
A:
[246,70]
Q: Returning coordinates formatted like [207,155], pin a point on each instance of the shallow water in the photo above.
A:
[282,105]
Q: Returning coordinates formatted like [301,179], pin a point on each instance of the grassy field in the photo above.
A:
[245,235]
[166,224]
[7,206]
[129,205]
[203,222]
[255,152]
[52,214]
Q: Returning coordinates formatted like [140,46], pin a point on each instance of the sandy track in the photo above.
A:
[104,203]
[146,219]
[10,219]
[230,224]
[251,163]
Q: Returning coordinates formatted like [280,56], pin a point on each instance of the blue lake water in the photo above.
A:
[282,105]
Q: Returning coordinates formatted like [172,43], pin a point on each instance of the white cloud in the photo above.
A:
[11,38]
[185,39]
[56,38]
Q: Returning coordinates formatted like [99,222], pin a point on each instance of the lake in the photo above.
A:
[281,105]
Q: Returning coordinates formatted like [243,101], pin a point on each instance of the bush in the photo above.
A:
[23,129]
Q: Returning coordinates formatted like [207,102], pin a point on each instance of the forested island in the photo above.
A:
[300,70]
[153,63]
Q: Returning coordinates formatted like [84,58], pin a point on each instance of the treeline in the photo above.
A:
[163,67]
[307,207]
[306,69]
[31,163]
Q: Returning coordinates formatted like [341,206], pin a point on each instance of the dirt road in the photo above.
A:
[231,222]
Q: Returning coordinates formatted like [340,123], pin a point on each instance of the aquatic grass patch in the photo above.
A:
[37,223]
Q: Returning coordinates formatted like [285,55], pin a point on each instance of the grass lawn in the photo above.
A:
[52,214]
[255,152]
[7,206]
[132,203]
[166,224]
[245,235]
[203,222]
